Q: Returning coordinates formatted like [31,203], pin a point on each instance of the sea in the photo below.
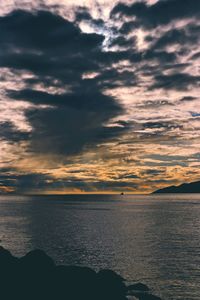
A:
[152,239]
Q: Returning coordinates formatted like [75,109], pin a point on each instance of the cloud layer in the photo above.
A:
[89,94]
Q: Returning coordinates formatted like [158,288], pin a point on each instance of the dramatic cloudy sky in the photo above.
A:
[99,96]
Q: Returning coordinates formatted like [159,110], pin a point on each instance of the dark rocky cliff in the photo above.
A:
[35,276]
[193,187]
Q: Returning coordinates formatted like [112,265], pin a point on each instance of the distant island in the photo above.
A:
[193,187]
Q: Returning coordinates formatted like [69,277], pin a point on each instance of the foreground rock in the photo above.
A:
[35,276]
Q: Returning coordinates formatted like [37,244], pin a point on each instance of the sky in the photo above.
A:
[99,96]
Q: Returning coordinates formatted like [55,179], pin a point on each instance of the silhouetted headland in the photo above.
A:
[36,276]
[193,187]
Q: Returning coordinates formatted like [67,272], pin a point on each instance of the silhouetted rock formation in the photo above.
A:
[138,287]
[35,276]
[193,187]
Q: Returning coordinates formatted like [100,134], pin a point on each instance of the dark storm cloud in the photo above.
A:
[110,185]
[161,125]
[75,120]
[9,133]
[28,183]
[127,27]
[58,54]
[122,41]
[146,16]
[177,81]
[148,56]
[127,176]
[161,13]
[168,158]
[160,56]
[115,78]
[22,182]
[176,66]
[44,31]
[82,14]
[154,172]
[81,100]
[165,164]
[189,35]
[66,130]
[67,77]
[47,45]
[195,56]
[187,99]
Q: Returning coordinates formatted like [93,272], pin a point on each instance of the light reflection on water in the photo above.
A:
[154,239]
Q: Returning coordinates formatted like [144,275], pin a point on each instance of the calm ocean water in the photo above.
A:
[153,239]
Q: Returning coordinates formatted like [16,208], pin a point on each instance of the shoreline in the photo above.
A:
[36,276]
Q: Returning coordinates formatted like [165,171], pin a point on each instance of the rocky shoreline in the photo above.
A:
[36,276]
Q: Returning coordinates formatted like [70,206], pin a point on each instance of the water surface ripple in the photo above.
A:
[154,239]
